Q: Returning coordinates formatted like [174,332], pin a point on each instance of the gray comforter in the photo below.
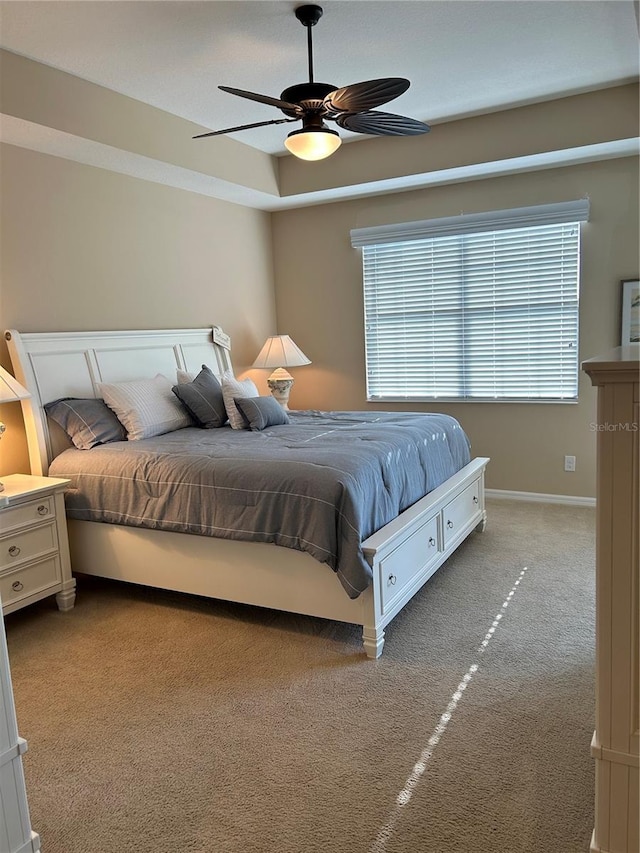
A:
[321,484]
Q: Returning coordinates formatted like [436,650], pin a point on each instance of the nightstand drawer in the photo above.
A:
[29,581]
[26,514]
[21,547]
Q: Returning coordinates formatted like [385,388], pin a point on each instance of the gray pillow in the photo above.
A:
[203,399]
[261,412]
[87,422]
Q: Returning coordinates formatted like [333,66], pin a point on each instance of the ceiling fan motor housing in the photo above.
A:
[308,95]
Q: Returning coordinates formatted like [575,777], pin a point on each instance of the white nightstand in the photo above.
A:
[34,547]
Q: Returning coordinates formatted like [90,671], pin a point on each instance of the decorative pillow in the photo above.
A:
[231,388]
[87,422]
[261,412]
[145,407]
[203,399]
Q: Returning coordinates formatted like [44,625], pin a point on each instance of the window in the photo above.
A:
[477,307]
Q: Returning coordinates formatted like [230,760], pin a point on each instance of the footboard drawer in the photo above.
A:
[461,512]
[398,569]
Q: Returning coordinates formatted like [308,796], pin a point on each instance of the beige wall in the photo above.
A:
[84,248]
[47,98]
[319,303]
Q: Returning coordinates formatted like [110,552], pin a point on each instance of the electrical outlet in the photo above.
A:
[569,463]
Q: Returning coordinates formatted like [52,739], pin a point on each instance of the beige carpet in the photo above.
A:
[160,723]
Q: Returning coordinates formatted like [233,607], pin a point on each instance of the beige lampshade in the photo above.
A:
[280,351]
[10,389]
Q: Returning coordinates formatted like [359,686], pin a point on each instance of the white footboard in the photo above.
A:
[407,551]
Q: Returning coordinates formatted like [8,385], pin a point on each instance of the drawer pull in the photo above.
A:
[43,509]
[392,580]
[475,499]
[14,551]
[432,541]
[449,524]
[17,585]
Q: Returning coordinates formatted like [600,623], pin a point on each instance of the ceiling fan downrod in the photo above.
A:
[309,17]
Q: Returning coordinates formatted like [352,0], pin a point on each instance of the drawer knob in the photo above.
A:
[43,509]
[432,541]
[475,499]
[14,551]
[450,524]
[17,585]
[392,580]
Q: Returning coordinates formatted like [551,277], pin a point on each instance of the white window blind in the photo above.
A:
[474,307]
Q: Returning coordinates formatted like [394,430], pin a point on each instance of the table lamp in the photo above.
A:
[280,352]
[10,392]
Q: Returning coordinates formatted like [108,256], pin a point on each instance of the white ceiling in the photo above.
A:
[463,58]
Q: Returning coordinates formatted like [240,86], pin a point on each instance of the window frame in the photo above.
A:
[566,213]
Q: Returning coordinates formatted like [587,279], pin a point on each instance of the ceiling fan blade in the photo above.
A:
[263,99]
[382,124]
[365,96]
[244,127]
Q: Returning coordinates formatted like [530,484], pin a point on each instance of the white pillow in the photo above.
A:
[232,387]
[145,407]
[184,376]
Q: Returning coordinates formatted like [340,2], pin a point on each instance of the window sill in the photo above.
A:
[447,400]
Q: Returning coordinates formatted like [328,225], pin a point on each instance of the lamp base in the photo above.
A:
[280,383]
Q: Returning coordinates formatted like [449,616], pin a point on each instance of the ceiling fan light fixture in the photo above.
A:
[313,143]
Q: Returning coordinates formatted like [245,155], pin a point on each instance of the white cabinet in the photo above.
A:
[16,835]
[617,733]
[34,563]
[34,548]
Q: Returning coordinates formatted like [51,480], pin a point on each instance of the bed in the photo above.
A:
[377,558]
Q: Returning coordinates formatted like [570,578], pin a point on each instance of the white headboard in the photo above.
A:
[70,364]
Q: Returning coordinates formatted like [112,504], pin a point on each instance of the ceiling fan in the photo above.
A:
[350,107]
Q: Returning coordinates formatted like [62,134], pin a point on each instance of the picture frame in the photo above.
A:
[630,314]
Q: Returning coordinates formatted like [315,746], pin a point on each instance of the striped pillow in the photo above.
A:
[145,407]
[231,388]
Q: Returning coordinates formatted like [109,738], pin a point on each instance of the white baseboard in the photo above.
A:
[537,497]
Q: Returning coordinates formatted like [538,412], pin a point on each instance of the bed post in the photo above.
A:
[373,627]
[373,641]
